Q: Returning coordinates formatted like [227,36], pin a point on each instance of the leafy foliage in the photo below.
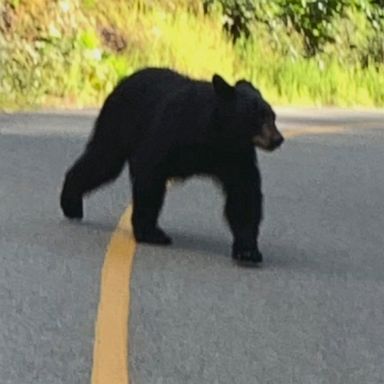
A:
[315,21]
[238,15]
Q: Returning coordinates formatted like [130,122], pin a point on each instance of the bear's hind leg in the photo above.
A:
[148,197]
[89,172]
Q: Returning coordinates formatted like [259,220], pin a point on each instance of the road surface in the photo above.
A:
[314,314]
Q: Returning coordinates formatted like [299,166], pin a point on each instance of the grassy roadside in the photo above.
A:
[70,53]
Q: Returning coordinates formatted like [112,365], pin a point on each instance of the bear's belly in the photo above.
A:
[200,159]
[190,160]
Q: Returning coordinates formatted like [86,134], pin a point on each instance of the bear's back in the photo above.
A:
[138,100]
[129,109]
[150,86]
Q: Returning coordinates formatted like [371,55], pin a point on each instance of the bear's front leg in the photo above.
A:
[148,197]
[243,210]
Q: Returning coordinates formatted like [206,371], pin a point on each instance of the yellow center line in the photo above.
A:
[110,351]
[329,129]
[313,130]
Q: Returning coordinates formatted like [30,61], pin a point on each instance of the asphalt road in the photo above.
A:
[314,314]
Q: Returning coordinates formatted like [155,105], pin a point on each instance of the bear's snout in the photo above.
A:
[269,138]
[277,140]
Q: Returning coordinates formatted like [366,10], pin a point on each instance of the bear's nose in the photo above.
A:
[277,141]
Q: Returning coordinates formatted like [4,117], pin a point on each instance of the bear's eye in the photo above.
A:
[268,115]
[255,109]
[259,113]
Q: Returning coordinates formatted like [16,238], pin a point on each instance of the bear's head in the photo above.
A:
[243,114]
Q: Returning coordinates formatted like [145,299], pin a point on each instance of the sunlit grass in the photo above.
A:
[55,55]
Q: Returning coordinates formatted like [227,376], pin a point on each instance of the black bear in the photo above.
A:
[167,126]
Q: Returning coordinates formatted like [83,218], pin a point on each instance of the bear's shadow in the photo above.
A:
[284,257]
[337,265]
[200,243]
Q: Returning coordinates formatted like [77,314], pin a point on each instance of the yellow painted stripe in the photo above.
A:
[313,130]
[110,352]
[329,129]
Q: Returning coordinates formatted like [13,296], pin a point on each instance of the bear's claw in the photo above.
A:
[153,236]
[72,208]
[251,257]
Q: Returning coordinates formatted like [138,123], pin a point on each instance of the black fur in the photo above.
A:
[169,126]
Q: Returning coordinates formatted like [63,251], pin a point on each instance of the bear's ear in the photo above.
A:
[222,88]
[244,84]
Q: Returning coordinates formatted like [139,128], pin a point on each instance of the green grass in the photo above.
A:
[308,82]
[58,55]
